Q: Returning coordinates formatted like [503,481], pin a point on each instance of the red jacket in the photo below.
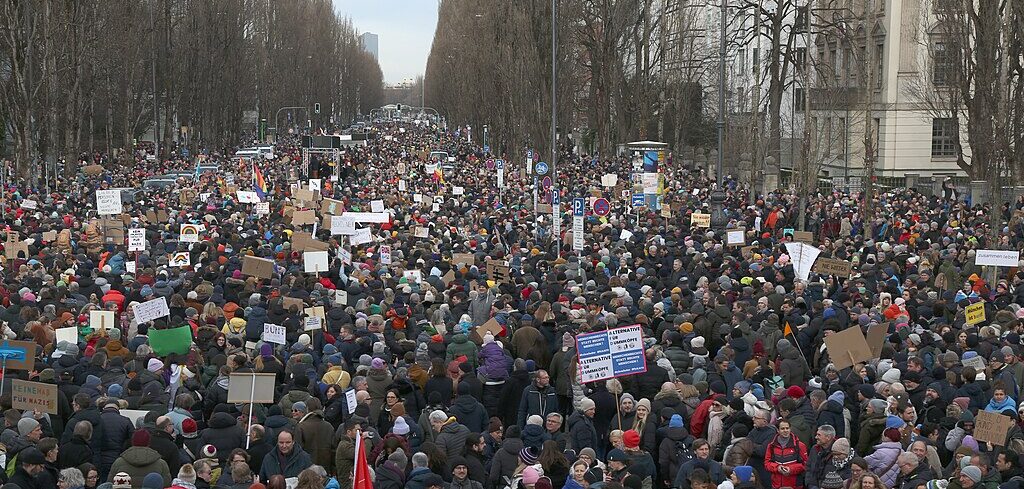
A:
[793,455]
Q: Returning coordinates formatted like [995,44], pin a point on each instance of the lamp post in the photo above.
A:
[718,218]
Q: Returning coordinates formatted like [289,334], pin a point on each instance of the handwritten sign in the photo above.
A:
[150,310]
[136,239]
[975,313]
[988,427]
[33,396]
[831,266]
[700,220]
[108,202]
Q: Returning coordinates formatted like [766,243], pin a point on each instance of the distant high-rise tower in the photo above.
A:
[369,41]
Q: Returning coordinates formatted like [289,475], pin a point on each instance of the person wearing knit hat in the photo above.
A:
[631,439]
[401,427]
[189,428]
[530,476]
[742,474]
[970,476]
[30,429]
[841,446]
[121,480]
[140,438]
[152,480]
[527,456]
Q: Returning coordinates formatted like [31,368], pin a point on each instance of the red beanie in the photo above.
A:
[631,439]
[140,438]
[795,391]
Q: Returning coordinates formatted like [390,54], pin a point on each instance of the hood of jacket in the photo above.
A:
[222,420]
[141,456]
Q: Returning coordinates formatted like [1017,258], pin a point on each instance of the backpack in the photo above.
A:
[683,453]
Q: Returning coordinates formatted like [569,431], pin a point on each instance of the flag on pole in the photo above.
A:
[787,331]
[361,470]
[259,185]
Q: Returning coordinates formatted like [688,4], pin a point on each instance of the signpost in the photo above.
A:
[578,208]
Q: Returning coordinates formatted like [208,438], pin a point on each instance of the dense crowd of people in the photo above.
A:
[458,378]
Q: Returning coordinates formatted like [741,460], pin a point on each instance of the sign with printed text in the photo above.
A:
[150,310]
[312,323]
[997,258]
[612,353]
[108,202]
[262,208]
[343,225]
[136,239]
[33,396]
[975,313]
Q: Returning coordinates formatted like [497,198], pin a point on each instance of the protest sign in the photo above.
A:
[737,237]
[33,396]
[803,256]
[463,259]
[992,427]
[377,206]
[345,255]
[876,338]
[302,241]
[491,326]
[361,236]
[609,180]
[847,347]
[134,415]
[343,225]
[350,401]
[331,206]
[257,267]
[292,302]
[312,323]
[803,237]
[136,239]
[69,334]
[151,309]
[262,208]
[29,204]
[101,320]
[612,353]
[273,333]
[369,217]
[997,258]
[314,261]
[108,202]
[167,341]
[189,233]
[975,313]
[831,266]
[247,197]
[180,259]
[20,355]
[303,218]
[976,362]
[385,255]
[251,387]
[422,232]
[49,236]
[700,220]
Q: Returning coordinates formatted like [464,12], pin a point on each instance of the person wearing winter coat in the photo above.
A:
[468,411]
[391,474]
[912,472]
[223,433]
[792,367]
[461,346]
[883,460]
[139,460]
[701,460]
[819,455]
[315,435]
[785,458]
[494,362]
[451,435]
[117,431]
[506,458]
[829,411]
[675,445]
[287,458]
[872,424]
[538,399]
[837,469]
[582,432]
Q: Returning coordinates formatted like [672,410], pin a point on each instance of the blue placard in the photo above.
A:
[638,200]
[612,353]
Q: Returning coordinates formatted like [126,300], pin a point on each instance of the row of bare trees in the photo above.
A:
[92,75]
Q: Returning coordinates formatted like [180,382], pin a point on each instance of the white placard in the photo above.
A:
[625,235]
[997,258]
[29,204]
[422,232]
[315,261]
[107,202]
[180,259]
[435,207]
[203,197]
[377,206]
[345,255]
[189,233]
[609,180]
[417,198]
[458,190]
[312,323]
[150,310]
[273,333]
[649,181]
[401,185]
[370,217]
[101,320]
[350,400]
[802,255]
[69,334]
[611,353]
[735,237]
[314,184]
[262,208]
[413,276]
[136,239]
[248,197]
[343,225]
[361,236]
[385,255]
[341,297]
[130,267]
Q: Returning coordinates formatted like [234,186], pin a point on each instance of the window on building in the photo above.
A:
[756,60]
[741,61]
[880,71]
[801,19]
[837,65]
[942,64]
[799,102]
[800,58]
[945,132]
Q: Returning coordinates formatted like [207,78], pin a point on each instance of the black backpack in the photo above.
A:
[683,453]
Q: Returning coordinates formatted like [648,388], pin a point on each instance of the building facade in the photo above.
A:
[369,41]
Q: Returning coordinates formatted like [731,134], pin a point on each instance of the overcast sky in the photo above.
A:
[405,29]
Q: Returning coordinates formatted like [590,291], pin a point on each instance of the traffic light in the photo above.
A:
[399,107]
[316,108]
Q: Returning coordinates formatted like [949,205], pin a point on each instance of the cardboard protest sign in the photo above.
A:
[33,396]
[304,195]
[992,427]
[14,250]
[463,258]
[303,218]
[331,206]
[289,302]
[20,354]
[876,338]
[491,326]
[50,236]
[499,272]
[847,348]
[831,266]
[167,341]
[257,267]
[304,242]
[258,387]
[736,237]
[422,232]
[317,311]
[803,237]
[975,313]
[93,170]
[803,257]
[342,225]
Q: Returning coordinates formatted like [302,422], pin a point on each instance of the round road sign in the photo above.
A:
[542,168]
[490,163]
[601,207]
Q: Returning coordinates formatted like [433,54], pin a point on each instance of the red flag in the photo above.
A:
[361,476]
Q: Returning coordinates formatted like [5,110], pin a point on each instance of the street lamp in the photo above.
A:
[718,217]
